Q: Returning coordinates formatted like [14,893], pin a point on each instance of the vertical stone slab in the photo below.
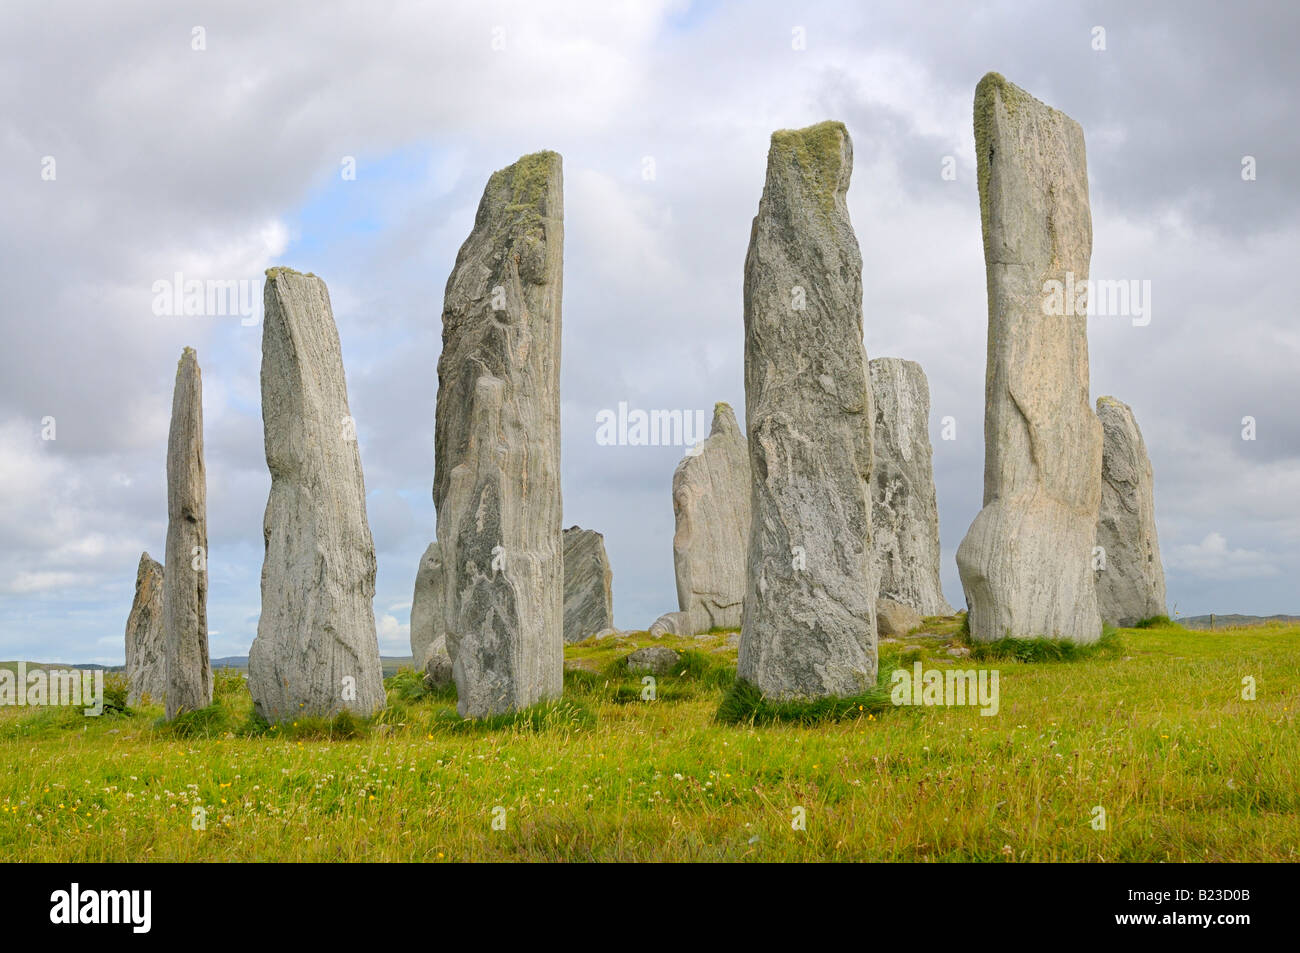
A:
[146,656]
[1131,587]
[1026,562]
[185,577]
[711,489]
[588,585]
[497,445]
[316,651]
[427,604]
[809,618]
[904,508]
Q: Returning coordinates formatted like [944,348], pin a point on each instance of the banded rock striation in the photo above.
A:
[904,510]
[808,628]
[1131,587]
[497,445]
[1026,562]
[316,651]
[185,574]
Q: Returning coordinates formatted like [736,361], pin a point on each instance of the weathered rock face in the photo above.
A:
[1132,586]
[497,445]
[427,604]
[436,664]
[146,665]
[809,627]
[904,511]
[655,659]
[1026,562]
[895,618]
[711,504]
[316,652]
[588,585]
[185,579]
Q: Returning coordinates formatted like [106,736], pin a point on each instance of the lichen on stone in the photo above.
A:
[818,152]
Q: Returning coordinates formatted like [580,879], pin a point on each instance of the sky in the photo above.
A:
[142,141]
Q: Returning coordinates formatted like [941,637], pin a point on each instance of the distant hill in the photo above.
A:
[1231,620]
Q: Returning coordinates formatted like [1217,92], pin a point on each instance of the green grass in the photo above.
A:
[1046,650]
[1156,732]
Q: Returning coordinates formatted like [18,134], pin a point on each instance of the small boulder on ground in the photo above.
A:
[894,618]
[655,659]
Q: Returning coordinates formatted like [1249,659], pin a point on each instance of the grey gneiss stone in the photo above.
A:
[670,623]
[316,652]
[146,665]
[588,592]
[185,576]
[904,512]
[427,604]
[436,664]
[1132,585]
[655,659]
[711,490]
[1026,562]
[809,627]
[497,445]
[895,618]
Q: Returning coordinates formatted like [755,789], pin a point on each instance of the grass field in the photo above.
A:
[1154,730]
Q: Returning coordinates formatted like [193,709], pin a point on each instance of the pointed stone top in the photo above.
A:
[1107,399]
[724,419]
[188,362]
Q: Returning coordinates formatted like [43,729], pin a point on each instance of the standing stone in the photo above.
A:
[1132,585]
[427,604]
[185,578]
[1026,562]
[711,490]
[809,627]
[316,652]
[904,511]
[428,639]
[588,585]
[497,445]
[146,661]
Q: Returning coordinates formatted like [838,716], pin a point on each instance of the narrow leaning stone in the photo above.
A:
[497,445]
[711,490]
[316,652]
[185,577]
[146,659]
[809,619]
[1131,587]
[904,509]
[1026,562]
[588,584]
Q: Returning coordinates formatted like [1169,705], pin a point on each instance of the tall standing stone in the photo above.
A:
[497,445]
[809,618]
[588,585]
[185,577]
[1026,562]
[146,658]
[904,510]
[316,652]
[711,489]
[1131,587]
